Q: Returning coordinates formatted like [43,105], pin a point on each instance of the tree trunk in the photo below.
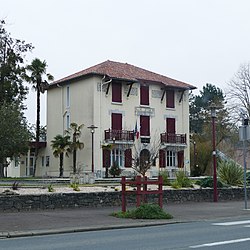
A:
[37,127]
[61,165]
[74,161]
[1,168]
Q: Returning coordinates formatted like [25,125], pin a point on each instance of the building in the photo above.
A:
[133,109]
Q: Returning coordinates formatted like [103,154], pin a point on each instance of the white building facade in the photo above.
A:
[132,108]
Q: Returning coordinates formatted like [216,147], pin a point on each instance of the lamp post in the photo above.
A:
[213,115]
[92,131]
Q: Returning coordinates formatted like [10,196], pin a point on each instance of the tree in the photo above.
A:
[14,133]
[37,70]
[61,145]
[75,131]
[238,93]
[12,53]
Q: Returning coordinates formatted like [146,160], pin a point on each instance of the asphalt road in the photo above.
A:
[212,234]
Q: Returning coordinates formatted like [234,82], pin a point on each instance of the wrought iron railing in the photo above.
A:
[173,138]
[119,135]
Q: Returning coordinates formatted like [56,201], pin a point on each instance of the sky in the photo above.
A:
[194,41]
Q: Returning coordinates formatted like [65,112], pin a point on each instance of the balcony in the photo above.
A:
[119,136]
[173,139]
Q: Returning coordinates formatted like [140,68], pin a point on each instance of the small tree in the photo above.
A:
[143,158]
[75,130]
[61,145]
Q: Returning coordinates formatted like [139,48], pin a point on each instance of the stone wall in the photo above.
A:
[70,200]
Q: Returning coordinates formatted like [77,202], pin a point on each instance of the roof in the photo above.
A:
[127,72]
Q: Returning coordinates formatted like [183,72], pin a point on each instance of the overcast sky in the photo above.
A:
[195,41]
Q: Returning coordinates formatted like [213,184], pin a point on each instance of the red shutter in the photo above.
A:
[181,159]
[162,158]
[106,158]
[116,123]
[116,92]
[170,126]
[144,125]
[128,158]
[144,91]
[170,99]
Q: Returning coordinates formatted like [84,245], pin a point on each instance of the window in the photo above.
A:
[144,125]
[116,121]
[144,90]
[67,97]
[67,121]
[47,161]
[116,92]
[42,161]
[171,159]
[170,99]
[118,157]
[170,125]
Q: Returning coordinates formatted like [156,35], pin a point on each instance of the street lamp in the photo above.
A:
[92,131]
[213,115]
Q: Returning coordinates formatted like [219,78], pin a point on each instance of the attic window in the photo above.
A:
[170,99]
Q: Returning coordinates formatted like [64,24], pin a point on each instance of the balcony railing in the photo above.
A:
[119,135]
[173,138]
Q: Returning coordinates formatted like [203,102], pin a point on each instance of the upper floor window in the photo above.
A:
[67,97]
[144,93]
[144,125]
[116,121]
[116,92]
[170,99]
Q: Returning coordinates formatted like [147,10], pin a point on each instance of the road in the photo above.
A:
[219,234]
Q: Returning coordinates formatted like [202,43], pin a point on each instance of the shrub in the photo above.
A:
[50,188]
[15,185]
[209,182]
[181,180]
[165,178]
[145,211]
[75,186]
[115,170]
[230,173]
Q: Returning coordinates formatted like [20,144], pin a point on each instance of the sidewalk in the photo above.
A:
[89,219]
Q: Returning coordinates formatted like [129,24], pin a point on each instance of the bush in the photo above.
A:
[231,173]
[115,170]
[181,180]
[145,211]
[165,178]
[50,188]
[75,186]
[209,182]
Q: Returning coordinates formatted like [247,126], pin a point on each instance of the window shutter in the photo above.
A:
[180,159]
[162,158]
[170,125]
[144,92]
[106,158]
[116,123]
[116,92]
[170,99]
[128,158]
[144,125]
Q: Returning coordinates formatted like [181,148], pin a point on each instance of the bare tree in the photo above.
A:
[145,157]
[238,94]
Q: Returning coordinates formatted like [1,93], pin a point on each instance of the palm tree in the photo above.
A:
[75,130]
[60,145]
[37,70]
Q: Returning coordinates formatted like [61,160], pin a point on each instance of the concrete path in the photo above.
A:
[85,219]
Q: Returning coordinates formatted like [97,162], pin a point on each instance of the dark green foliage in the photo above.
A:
[145,211]
[115,170]
[208,182]
[14,133]
[230,173]
[12,53]
[181,180]
[165,178]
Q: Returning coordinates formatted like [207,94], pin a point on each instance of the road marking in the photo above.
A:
[232,223]
[220,243]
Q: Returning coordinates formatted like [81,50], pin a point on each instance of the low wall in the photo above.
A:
[70,200]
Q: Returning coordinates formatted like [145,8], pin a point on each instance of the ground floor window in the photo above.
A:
[117,156]
[171,159]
